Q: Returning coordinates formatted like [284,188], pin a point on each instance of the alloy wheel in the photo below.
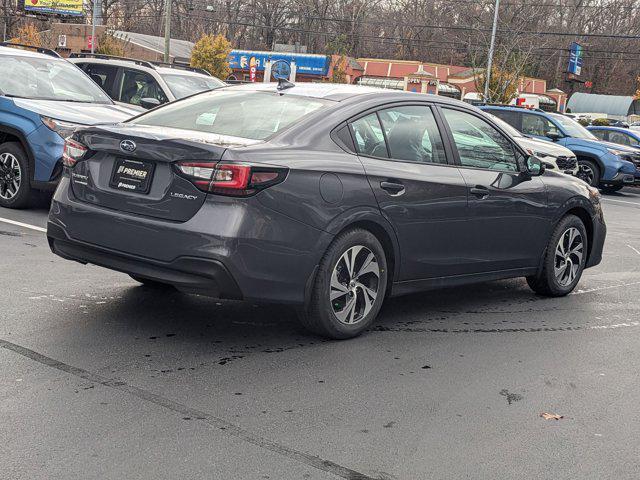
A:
[586,173]
[568,256]
[10,176]
[354,284]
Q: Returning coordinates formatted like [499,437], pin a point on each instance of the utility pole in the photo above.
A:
[96,19]
[167,30]
[487,75]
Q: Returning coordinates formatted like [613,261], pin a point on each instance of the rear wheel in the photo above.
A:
[564,260]
[15,189]
[349,287]
[589,171]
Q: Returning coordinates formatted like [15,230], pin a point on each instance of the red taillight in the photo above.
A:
[72,152]
[236,179]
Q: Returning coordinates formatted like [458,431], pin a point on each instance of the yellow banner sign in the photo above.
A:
[57,7]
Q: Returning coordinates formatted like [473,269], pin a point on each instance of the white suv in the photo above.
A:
[142,83]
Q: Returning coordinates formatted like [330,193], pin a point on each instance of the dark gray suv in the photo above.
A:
[327,197]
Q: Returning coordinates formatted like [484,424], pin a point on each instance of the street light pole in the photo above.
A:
[167,30]
[487,75]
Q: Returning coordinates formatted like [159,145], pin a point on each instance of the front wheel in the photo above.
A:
[589,172]
[564,261]
[15,190]
[349,287]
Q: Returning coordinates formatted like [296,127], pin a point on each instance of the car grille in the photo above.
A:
[566,163]
[635,159]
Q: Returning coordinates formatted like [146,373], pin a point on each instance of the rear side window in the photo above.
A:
[238,113]
[367,133]
[412,134]
[512,118]
[103,75]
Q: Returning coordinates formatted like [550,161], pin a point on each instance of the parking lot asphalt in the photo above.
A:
[104,379]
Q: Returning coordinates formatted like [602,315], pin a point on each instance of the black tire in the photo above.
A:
[546,283]
[611,188]
[22,198]
[151,283]
[319,316]
[589,171]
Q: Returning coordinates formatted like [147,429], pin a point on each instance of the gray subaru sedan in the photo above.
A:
[328,197]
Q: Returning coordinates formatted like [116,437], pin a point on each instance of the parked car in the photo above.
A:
[43,98]
[141,83]
[328,197]
[554,156]
[603,165]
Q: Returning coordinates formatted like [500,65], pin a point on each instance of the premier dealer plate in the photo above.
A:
[132,175]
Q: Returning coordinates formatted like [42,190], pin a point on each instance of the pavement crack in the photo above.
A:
[193,413]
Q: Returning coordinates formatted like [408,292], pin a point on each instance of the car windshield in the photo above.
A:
[184,85]
[572,128]
[238,113]
[48,79]
[505,126]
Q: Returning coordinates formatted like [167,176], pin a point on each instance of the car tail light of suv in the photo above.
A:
[233,179]
[73,151]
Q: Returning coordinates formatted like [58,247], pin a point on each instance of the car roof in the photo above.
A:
[144,65]
[21,52]
[514,108]
[630,131]
[339,92]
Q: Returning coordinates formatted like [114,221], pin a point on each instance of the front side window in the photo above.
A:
[184,85]
[412,134]
[368,136]
[479,144]
[537,125]
[47,79]
[239,113]
[620,138]
[137,85]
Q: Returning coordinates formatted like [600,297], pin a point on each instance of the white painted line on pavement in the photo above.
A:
[25,225]
[621,201]
[608,287]
[634,249]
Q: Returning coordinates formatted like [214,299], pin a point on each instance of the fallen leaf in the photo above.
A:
[551,416]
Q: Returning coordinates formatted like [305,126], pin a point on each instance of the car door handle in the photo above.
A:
[392,188]
[480,191]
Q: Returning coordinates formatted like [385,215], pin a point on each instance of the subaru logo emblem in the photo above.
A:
[128,146]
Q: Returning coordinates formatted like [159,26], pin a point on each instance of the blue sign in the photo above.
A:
[576,54]
[306,64]
[280,69]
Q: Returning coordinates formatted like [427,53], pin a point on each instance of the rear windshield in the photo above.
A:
[245,114]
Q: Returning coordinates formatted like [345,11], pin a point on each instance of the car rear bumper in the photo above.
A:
[188,274]
[231,248]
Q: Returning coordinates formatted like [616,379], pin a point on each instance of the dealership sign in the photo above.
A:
[576,54]
[56,7]
[306,64]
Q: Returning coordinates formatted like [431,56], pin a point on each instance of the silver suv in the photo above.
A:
[142,83]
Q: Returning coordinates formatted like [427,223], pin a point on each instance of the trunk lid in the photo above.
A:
[130,168]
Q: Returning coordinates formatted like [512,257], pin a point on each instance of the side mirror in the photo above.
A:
[554,136]
[535,166]
[149,103]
